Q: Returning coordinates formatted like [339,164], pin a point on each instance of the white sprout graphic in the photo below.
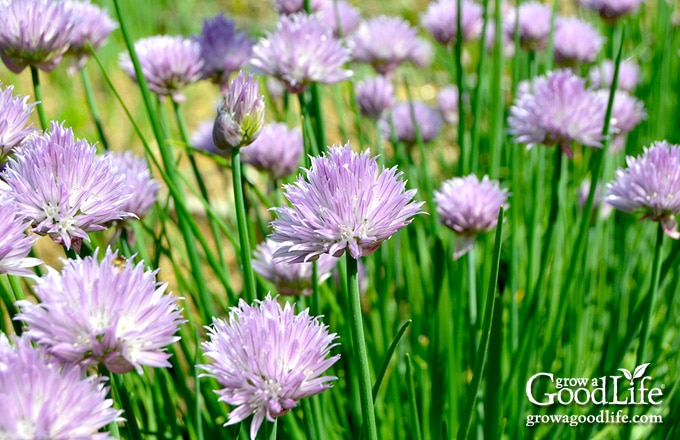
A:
[637,373]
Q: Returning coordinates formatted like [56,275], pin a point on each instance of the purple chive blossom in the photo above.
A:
[276,151]
[469,206]
[447,101]
[427,119]
[302,50]
[340,16]
[650,185]
[627,113]
[15,113]
[576,42]
[375,96]
[43,400]
[611,10]
[345,203]
[533,24]
[240,116]
[113,313]
[290,7]
[224,49]
[142,186]
[34,32]
[202,138]
[91,23]
[385,43]
[441,20]
[560,111]
[267,358]
[15,245]
[422,54]
[169,64]
[601,77]
[64,188]
[290,278]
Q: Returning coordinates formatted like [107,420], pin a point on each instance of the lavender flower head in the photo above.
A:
[34,32]
[64,188]
[447,100]
[441,20]
[113,312]
[91,23]
[650,185]
[469,206]
[601,76]
[559,110]
[611,10]
[375,96]
[385,43]
[276,151]
[224,49]
[533,23]
[290,278]
[576,42]
[340,16]
[290,7]
[267,358]
[302,50]
[627,113]
[169,64]
[42,400]
[345,203]
[15,245]
[142,186]
[15,113]
[427,119]
[240,116]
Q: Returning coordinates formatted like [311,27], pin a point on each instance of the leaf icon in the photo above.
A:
[640,371]
[626,373]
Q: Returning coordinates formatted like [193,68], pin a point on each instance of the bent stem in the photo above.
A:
[359,347]
[39,98]
[651,296]
[246,266]
[92,105]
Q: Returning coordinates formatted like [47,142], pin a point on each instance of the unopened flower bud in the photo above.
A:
[241,116]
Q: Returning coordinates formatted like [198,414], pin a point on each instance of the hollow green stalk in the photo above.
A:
[651,296]
[37,88]
[242,221]
[92,105]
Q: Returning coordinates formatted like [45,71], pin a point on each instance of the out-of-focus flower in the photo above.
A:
[599,203]
[627,113]
[422,54]
[202,138]
[224,49]
[447,100]
[340,16]
[427,119]
[601,76]
[559,110]
[385,43]
[302,50]
[650,185]
[113,312]
[91,23]
[267,358]
[507,43]
[43,400]
[240,117]
[441,20]
[290,7]
[15,113]
[345,203]
[375,96]
[469,206]
[290,278]
[169,64]
[533,24]
[15,245]
[34,33]
[611,10]
[276,151]
[576,42]
[64,188]
[142,186]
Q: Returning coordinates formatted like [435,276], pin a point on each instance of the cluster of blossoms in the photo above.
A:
[611,10]
[40,32]
[15,245]
[601,76]
[407,117]
[441,20]
[15,113]
[267,358]
[375,96]
[276,151]
[469,206]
